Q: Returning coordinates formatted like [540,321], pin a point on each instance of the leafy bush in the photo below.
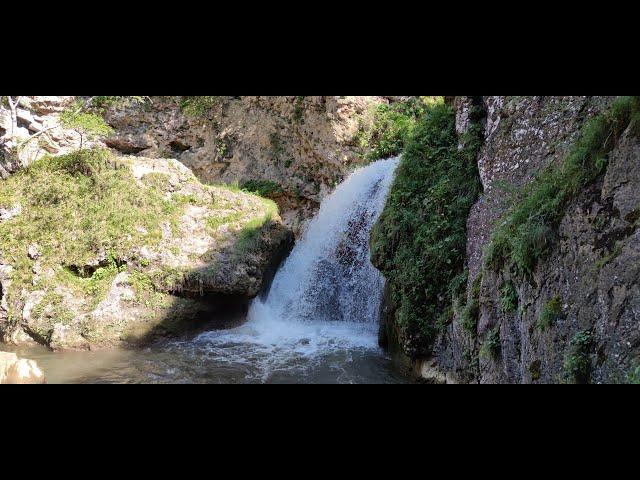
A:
[491,346]
[199,107]
[419,242]
[264,188]
[87,125]
[392,127]
[529,229]
[508,298]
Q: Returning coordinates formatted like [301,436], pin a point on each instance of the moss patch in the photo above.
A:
[508,297]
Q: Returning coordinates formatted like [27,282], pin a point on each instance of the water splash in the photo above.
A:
[325,298]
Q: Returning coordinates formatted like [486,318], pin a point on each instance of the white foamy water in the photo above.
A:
[323,304]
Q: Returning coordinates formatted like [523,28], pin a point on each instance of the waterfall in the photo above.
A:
[326,296]
[328,277]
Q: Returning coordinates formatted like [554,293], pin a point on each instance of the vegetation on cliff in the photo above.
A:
[528,230]
[420,239]
[391,126]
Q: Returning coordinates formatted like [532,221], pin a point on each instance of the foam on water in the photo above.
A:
[325,298]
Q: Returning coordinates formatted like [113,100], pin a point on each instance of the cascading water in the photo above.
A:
[328,277]
[325,298]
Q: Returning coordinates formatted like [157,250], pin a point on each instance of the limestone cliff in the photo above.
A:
[303,145]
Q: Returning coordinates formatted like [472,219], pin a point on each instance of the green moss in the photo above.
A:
[529,229]
[157,180]
[52,306]
[419,242]
[250,237]
[298,113]
[534,370]
[470,315]
[633,377]
[277,147]
[199,107]
[216,221]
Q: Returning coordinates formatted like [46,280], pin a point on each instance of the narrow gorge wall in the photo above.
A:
[577,318]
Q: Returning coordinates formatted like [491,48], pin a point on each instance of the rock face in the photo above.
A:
[14,370]
[304,144]
[593,271]
[37,130]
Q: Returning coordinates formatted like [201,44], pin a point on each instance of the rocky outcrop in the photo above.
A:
[305,145]
[37,131]
[215,249]
[14,370]
[591,277]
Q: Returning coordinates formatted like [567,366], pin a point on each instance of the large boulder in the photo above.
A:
[207,249]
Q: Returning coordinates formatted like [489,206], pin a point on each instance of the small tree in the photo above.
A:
[13,108]
[86,125]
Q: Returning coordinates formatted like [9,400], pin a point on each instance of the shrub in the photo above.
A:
[87,125]
[577,365]
[264,188]
[508,298]
[491,346]
[551,312]
[392,127]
